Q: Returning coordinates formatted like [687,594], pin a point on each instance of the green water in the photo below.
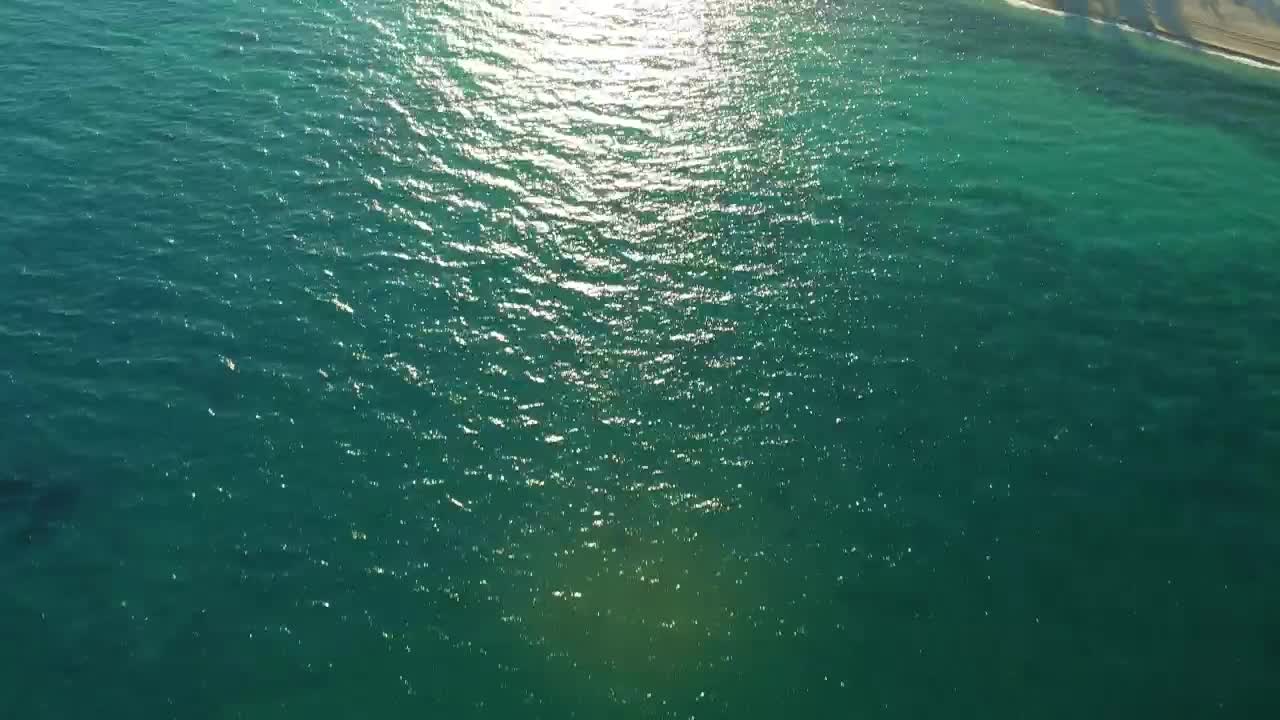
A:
[633,359]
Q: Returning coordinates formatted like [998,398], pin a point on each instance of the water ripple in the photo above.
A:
[625,358]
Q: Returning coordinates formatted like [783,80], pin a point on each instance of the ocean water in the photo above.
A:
[633,359]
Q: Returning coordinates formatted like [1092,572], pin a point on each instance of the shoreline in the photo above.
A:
[1186,41]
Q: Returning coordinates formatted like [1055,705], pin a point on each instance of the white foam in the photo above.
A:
[1190,45]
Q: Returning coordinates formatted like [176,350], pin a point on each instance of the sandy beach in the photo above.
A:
[1247,28]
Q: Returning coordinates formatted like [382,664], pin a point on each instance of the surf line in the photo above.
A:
[1181,42]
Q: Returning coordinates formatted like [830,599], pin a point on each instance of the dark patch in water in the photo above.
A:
[48,511]
[241,36]
[15,489]
[56,502]
[38,503]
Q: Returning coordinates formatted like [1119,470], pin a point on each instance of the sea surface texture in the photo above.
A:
[633,359]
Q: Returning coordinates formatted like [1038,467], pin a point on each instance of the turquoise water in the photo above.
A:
[633,359]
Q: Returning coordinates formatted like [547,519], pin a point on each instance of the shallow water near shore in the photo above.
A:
[632,359]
